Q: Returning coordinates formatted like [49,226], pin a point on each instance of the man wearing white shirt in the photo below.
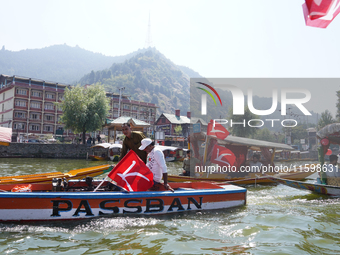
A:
[155,161]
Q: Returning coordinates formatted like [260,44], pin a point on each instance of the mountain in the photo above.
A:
[57,63]
[148,76]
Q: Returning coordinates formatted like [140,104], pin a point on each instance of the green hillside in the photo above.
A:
[149,77]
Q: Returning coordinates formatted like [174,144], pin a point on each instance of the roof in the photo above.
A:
[331,131]
[165,148]
[108,145]
[183,119]
[252,144]
[126,119]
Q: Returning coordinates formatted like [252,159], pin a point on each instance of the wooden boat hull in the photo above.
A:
[262,179]
[51,206]
[47,177]
[99,158]
[314,187]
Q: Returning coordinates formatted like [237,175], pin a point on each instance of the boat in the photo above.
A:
[5,136]
[171,153]
[314,187]
[237,172]
[106,151]
[47,177]
[114,151]
[79,201]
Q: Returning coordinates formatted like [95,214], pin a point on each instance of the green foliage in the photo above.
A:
[325,119]
[178,130]
[338,106]
[297,133]
[84,110]
[265,135]
[239,129]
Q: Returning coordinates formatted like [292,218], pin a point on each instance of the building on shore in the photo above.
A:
[167,124]
[27,106]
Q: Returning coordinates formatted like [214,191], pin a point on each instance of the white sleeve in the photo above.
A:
[159,157]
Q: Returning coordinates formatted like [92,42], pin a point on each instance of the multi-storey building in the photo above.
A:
[28,107]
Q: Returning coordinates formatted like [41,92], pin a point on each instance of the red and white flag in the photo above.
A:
[320,13]
[222,156]
[217,130]
[132,174]
[5,134]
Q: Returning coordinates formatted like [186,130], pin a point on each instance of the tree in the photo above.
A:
[240,129]
[84,109]
[178,130]
[325,119]
[265,135]
[338,106]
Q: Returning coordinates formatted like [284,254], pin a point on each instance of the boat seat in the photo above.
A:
[333,181]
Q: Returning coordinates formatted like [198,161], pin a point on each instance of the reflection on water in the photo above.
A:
[276,220]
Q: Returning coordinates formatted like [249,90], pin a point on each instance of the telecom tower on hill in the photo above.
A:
[148,41]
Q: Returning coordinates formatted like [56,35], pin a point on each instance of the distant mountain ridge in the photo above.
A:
[57,63]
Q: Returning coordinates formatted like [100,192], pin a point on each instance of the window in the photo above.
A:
[2,118]
[20,126]
[35,105]
[36,93]
[49,117]
[3,96]
[20,103]
[34,127]
[19,114]
[49,107]
[163,120]
[61,97]
[60,109]
[126,106]
[135,107]
[21,91]
[115,105]
[34,116]
[3,107]
[48,128]
[49,95]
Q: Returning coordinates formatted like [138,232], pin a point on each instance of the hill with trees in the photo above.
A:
[148,76]
[57,63]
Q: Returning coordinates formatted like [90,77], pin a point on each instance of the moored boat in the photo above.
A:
[314,187]
[79,202]
[47,177]
[220,167]
[100,151]
[171,153]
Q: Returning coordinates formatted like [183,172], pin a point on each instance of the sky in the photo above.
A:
[218,39]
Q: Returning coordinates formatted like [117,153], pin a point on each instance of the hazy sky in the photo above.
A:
[227,38]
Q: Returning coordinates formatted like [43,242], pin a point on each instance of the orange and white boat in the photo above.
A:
[78,201]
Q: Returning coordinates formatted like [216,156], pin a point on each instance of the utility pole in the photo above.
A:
[120,98]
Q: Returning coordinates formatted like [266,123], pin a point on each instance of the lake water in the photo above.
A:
[276,220]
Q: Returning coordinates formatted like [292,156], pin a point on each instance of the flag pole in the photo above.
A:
[100,184]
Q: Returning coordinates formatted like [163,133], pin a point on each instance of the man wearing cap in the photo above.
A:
[132,141]
[155,162]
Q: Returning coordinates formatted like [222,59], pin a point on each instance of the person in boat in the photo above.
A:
[255,165]
[332,172]
[132,141]
[189,164]
[155,162]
